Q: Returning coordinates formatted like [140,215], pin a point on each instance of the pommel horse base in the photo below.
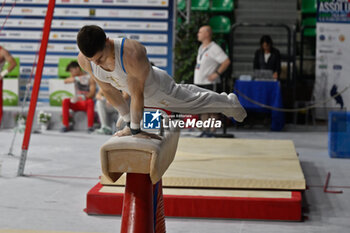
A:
[145,161]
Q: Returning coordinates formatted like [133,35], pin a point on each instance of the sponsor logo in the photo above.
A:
[26,47]
[68,36]
[92,12]
[69,48]
[14,34]
[161,14]
[133,26]
[57,97]
[134,37]
[71,12]
[337,67]
[26,10]
[341,38]
[322,37]
[10,98]
[151,119]
[107,1]
[113,13]
[26,70]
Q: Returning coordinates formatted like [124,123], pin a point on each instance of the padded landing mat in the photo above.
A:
[233,163]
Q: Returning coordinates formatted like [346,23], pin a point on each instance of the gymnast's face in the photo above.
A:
[74,71]
[202,34]
[266,47]
[100,57]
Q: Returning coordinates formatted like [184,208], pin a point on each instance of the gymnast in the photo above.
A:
[122,65]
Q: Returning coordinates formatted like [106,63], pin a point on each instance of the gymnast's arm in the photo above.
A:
[137,68]
[113,95]
[92,89]
[12,62]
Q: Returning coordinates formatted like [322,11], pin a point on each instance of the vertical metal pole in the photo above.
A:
[301,52]
[188,11]
[137,213]
[36,86]
[289,53]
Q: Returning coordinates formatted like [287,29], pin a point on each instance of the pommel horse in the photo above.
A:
[145,161]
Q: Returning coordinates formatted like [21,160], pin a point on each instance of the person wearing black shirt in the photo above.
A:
[268,57]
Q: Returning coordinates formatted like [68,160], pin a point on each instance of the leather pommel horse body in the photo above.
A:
[145,161]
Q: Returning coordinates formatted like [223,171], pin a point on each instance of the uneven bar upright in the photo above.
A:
[36,86]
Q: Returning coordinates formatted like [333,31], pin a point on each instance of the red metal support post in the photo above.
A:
[137,216]
[36,86]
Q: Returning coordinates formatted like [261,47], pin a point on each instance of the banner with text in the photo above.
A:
[332,55]
[147,21]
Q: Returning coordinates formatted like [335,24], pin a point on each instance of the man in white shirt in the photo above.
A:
[211,63]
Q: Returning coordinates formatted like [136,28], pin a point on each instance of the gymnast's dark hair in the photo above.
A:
[266,39]
[91,39]
[71,65]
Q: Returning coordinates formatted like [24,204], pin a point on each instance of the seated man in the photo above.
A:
[85,89]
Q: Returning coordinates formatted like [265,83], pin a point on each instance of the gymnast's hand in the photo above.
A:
[147,135]
[124,132]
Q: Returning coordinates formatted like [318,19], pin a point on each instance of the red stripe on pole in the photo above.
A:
[38,73]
